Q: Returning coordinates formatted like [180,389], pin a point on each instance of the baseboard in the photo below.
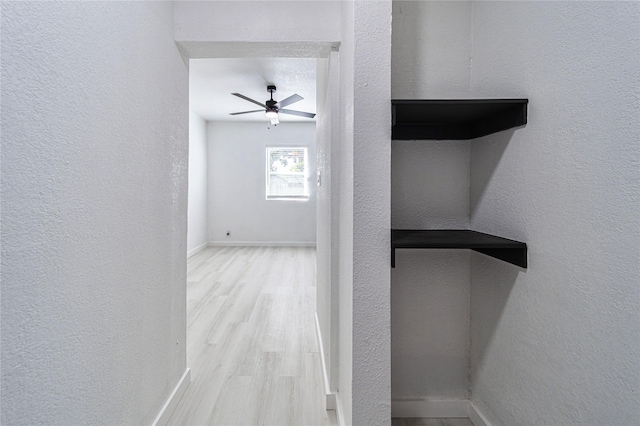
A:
[476,416]
[339,411]
[172,402]
[197,249]
[429,408]
[330,403]
[262,243]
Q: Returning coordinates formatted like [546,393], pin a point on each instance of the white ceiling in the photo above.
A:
[211,82]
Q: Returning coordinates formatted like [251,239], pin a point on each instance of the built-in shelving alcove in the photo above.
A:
[424,120]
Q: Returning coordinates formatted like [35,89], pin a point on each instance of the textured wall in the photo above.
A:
[198,230]
[430,325]
[431,54]
[257,28]
[371,213]
[430,185]
[237,185]
[258,21]
[558,343]
[94,212]
[430,288]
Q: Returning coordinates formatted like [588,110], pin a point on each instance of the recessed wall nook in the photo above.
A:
[456,120]
[421,365]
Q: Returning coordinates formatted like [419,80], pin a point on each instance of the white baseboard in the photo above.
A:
[429,408]
[197,249]
[330,403]
[426,408]
[476,416]
[339,411]
[262,243]
[172,402]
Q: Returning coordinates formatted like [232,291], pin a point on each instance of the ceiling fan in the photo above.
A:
[273,108]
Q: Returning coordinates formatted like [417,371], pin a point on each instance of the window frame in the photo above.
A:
[268,173]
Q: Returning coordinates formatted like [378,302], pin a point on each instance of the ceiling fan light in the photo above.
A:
[271,113]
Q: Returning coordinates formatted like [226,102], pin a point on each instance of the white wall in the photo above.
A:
[237,182]
[567,184]
[558,343]
[94,212]
[323,218]
[431,54]
[198,230]
[328,215]
[430,288]
[371,355]
[345,292]
[257,28]
[258,21]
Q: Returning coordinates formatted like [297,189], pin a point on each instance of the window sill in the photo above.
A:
[287,198]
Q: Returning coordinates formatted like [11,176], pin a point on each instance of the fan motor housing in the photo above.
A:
[271,104]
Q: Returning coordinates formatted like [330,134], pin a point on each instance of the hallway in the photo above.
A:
[251,342]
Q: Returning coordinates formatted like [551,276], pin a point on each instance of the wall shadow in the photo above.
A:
[491,285]
[430,324]
[486,153]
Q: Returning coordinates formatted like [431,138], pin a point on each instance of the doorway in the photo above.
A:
[323,317]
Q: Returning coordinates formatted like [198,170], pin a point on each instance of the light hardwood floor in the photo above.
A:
[251,341]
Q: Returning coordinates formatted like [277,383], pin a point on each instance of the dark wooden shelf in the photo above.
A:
[454,119]
[510,251]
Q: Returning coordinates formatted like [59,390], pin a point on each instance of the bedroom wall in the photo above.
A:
[198,229]
[237,182]
[94,212]
[558,343]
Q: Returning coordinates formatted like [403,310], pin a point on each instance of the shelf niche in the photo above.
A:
[510,251]
[460,119]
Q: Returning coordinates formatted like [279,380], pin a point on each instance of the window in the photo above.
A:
[287,173]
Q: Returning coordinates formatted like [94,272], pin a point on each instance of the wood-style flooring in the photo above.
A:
[251,341]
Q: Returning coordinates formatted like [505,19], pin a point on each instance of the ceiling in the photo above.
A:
[211,82]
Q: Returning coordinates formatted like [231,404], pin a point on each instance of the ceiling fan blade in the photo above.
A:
[300,113]
[246,112]
[291,99]
[249,99]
